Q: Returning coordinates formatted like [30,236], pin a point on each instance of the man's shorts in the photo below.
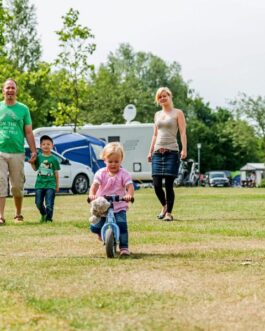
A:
[12,168]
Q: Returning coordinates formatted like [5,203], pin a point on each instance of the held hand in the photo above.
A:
[57,189]
[183,155]
[33,157]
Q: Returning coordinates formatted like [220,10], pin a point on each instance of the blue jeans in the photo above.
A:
[47,194]
[121,221]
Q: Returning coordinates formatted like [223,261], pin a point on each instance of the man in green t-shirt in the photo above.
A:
[15,125]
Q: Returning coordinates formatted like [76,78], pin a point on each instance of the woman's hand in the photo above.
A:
[183,155]
[149,157]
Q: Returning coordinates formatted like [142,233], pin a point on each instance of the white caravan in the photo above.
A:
[134,136]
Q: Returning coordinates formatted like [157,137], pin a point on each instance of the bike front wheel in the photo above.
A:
[110,243]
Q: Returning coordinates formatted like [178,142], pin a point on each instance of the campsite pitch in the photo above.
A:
[204,271]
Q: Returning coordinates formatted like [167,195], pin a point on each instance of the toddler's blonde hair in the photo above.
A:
[112,148]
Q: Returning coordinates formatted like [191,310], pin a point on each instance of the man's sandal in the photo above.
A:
[19,218]
[2,221]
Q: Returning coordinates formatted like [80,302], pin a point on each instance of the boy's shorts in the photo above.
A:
[12,167]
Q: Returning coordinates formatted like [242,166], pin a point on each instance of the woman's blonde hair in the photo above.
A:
[160,91]
[112,148]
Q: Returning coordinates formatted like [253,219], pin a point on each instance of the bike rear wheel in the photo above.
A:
[110,243]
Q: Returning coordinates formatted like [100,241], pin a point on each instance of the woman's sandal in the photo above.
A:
[19,218]
[2,221]
[161,215]
[168,218]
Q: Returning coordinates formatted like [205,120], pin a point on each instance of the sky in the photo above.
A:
[218,43]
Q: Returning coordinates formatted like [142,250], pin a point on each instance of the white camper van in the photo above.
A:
[134,136]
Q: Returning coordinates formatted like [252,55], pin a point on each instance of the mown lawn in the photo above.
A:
[204,271]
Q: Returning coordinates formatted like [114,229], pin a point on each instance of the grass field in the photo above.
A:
[204,271]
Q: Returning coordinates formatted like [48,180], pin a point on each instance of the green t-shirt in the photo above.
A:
[12,122]
[46,167]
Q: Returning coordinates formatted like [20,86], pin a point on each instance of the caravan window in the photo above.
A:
[97,149]
[113,138]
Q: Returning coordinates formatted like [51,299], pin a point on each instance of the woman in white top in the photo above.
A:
[164,150]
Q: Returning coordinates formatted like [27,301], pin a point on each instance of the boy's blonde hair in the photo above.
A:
[160,91]
[112,148]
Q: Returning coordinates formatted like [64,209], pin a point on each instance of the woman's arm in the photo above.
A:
[182,130]
[153,141]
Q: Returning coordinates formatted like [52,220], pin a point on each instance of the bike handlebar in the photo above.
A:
[113,198]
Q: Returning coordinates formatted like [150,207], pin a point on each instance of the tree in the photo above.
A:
[36,84]
[73,61]
[131,77]
[252,109]
[237,144]
[22,42]
[226,143]
[3,18]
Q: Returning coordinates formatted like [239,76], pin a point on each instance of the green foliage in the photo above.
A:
[73,63]
[132,77]
[262,183]
[3,19]
[76,46]
[64,114]
[226,143]
[22,42]
[37,84]
[253,109]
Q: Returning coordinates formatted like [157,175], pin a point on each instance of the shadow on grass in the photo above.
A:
[161,255]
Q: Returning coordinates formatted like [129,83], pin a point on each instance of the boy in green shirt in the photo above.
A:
[47,181]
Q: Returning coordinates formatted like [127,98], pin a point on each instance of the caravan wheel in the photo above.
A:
[80,184]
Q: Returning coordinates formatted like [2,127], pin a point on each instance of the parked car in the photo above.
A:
[216,178]
[73,176]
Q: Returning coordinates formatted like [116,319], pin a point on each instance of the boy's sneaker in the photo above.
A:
[124,252]
[43,219]
[49,220]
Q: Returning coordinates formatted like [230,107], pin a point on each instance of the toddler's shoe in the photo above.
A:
[49,220]
[124,252]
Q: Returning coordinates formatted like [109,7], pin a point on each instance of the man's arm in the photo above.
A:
[57,180]
[31,141]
